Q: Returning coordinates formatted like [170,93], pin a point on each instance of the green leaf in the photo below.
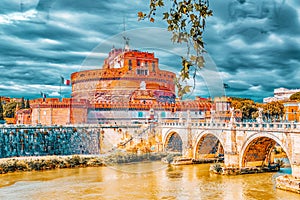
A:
[160,3]
[166,16]
[192,17]
[187,89]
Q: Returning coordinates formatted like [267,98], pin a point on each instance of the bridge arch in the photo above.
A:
[173,142]
[258,147]
[207,143]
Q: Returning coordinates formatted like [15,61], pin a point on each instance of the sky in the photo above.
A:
[252,45]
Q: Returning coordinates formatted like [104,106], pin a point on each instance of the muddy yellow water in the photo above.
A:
[139,181]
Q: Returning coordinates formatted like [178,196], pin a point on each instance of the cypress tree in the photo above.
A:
[27,105]
[22,103]
[1,110]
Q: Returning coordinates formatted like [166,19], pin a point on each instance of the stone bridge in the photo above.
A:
[241,143]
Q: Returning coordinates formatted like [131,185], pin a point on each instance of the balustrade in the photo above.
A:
[241,125]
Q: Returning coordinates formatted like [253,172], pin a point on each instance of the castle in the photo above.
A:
[129,88]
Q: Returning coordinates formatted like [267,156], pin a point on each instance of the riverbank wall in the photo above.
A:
[41,141]
[39,163]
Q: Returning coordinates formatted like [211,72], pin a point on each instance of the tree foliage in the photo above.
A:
[9,109]
[1,110]
[186,20]
[247,106]
[274,110]
[295,96]
[271,111]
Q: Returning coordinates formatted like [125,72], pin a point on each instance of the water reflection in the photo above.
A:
[139,181]
[174,171]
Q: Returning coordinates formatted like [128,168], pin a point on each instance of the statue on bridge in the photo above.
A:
[259,119]
[212,116]
[232,118]
[180,117]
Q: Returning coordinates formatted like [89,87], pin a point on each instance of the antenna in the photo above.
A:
[124,25]
[21,6]
[126,39]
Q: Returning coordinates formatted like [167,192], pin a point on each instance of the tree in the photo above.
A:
[186,21]
[247,106]
[1,110]
[295,96]
[273,110]
[27,105]
[22,103]
[9,109]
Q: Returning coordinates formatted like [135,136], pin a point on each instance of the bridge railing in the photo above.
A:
[240,125]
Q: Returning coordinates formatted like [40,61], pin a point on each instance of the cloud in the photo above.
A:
[255,45]
[255,42]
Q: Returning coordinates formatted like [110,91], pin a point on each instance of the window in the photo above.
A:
[130,64]
[163,114]
[140,114]
[142,72]
[153,66]
[138,63]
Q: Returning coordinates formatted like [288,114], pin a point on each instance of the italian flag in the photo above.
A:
[65,81]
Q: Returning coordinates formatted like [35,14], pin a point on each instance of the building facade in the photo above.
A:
[52,111]
[281,94]
[23,116]
[292,111]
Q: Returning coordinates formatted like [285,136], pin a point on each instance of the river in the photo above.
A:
[151,180]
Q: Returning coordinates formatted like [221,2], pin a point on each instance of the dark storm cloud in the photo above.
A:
[8,6]
[254,44]
[44,39]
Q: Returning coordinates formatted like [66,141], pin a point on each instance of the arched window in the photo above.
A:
[153,66]
[130,64]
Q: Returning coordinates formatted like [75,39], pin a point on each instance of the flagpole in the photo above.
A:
[60,87]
